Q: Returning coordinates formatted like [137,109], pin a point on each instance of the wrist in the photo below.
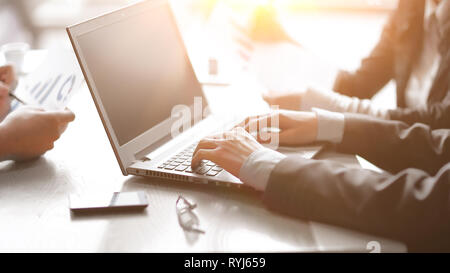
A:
[306,129]
[256,170]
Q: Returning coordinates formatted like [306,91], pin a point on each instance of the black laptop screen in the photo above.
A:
[140,69]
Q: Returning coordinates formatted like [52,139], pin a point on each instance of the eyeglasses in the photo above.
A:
[187,219]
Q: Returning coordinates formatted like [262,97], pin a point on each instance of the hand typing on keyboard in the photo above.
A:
[182,163]
[229,150]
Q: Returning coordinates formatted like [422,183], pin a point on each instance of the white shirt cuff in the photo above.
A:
[330,125]
[332,101]
[257,168]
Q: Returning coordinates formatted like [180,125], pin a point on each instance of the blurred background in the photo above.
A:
[341,32]
[41,22]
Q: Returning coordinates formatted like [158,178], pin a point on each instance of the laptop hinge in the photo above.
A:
[145,159]
[143,154]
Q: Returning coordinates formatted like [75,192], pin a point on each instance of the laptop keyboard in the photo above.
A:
[182,163]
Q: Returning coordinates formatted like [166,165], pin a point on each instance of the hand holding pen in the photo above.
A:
[8,83]
[8,76]
[5,101]
[15,97]
[8,79]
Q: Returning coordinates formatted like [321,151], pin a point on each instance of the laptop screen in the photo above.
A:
[141,70]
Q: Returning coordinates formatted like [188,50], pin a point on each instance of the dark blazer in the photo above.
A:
[411,203]
[393,58]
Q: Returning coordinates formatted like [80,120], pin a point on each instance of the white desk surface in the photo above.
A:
[35,216]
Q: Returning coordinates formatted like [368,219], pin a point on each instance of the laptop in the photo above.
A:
[138,72]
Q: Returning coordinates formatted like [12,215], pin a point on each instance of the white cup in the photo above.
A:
[15,54]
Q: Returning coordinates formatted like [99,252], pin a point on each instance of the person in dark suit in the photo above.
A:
[410,201]
[27,132]
[413,51]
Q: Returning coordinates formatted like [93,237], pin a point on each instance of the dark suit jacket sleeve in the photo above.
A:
[394,145]
[374,72]
[436,115]
[410,206]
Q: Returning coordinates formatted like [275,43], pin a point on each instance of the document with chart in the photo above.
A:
[52,84]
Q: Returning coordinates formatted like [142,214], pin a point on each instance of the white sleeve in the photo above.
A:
[330,126]
[257,168]
[332,101]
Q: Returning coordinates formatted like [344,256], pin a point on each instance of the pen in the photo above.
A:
[12,89]
[16,98]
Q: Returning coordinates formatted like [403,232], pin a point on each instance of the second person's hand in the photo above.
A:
[30,132]
[295,127]
[7,80]
[287,101]
[5,101]
[7,75]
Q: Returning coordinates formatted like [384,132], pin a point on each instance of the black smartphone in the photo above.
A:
[109,202]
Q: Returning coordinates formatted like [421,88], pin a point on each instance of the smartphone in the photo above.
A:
[109,202]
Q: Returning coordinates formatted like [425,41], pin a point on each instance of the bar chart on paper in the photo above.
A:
[52,84]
